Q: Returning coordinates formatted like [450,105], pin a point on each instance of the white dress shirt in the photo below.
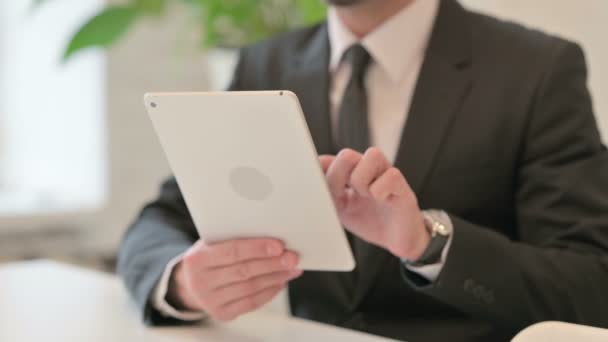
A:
[397,48]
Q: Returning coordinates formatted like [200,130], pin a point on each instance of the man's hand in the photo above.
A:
[375,202]
[228,279]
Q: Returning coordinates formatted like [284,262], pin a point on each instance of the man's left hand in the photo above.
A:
[375,202]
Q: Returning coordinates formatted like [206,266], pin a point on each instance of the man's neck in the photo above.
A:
[363,18]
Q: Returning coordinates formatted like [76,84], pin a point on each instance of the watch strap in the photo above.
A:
[432,254]
[440,236]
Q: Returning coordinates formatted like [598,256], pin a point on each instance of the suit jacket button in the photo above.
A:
[468,285]
[488,297]
[478,291]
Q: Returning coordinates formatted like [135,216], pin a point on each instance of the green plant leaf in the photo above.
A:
[154,7]
[313,11]
[102,30]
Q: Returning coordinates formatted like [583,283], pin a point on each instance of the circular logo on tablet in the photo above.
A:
[250,183]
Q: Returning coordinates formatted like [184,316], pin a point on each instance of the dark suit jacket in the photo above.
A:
[501,135]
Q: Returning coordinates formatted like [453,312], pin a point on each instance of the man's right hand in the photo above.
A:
[228,279]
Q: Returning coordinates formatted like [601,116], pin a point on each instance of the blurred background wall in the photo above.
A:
[131,163]
[118,159]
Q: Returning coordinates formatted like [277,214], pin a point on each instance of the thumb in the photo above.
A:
[326,161]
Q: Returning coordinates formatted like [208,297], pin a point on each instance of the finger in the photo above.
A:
[219,277]
[391,182]
[233,252]
[326,161]
[245,289]
[232,310]
[372,165]
[340,170]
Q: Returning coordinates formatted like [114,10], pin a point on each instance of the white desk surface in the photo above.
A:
[45,301]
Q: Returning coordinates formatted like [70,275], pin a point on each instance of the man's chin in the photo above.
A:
[344,2]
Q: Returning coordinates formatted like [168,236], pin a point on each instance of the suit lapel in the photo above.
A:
[309,79]
[443,83]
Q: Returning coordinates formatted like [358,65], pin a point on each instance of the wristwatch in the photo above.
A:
[440,235]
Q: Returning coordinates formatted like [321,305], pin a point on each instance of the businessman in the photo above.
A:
[464,161]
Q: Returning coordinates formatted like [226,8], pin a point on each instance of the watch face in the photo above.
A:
[435,226]
[442,229]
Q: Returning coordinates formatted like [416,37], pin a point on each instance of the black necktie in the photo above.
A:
[353,126]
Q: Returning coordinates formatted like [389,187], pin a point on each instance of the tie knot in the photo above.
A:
[359,59]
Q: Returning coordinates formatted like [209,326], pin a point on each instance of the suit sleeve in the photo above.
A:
[558,267]
[163,230]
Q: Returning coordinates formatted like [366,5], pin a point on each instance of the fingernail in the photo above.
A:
[274,249]
[295,273]
[288,261]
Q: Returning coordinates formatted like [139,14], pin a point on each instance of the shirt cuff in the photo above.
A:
[431,272]
[160,296]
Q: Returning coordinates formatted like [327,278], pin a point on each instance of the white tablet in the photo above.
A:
[247,167]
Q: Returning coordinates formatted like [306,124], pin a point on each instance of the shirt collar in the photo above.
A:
[394,45]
